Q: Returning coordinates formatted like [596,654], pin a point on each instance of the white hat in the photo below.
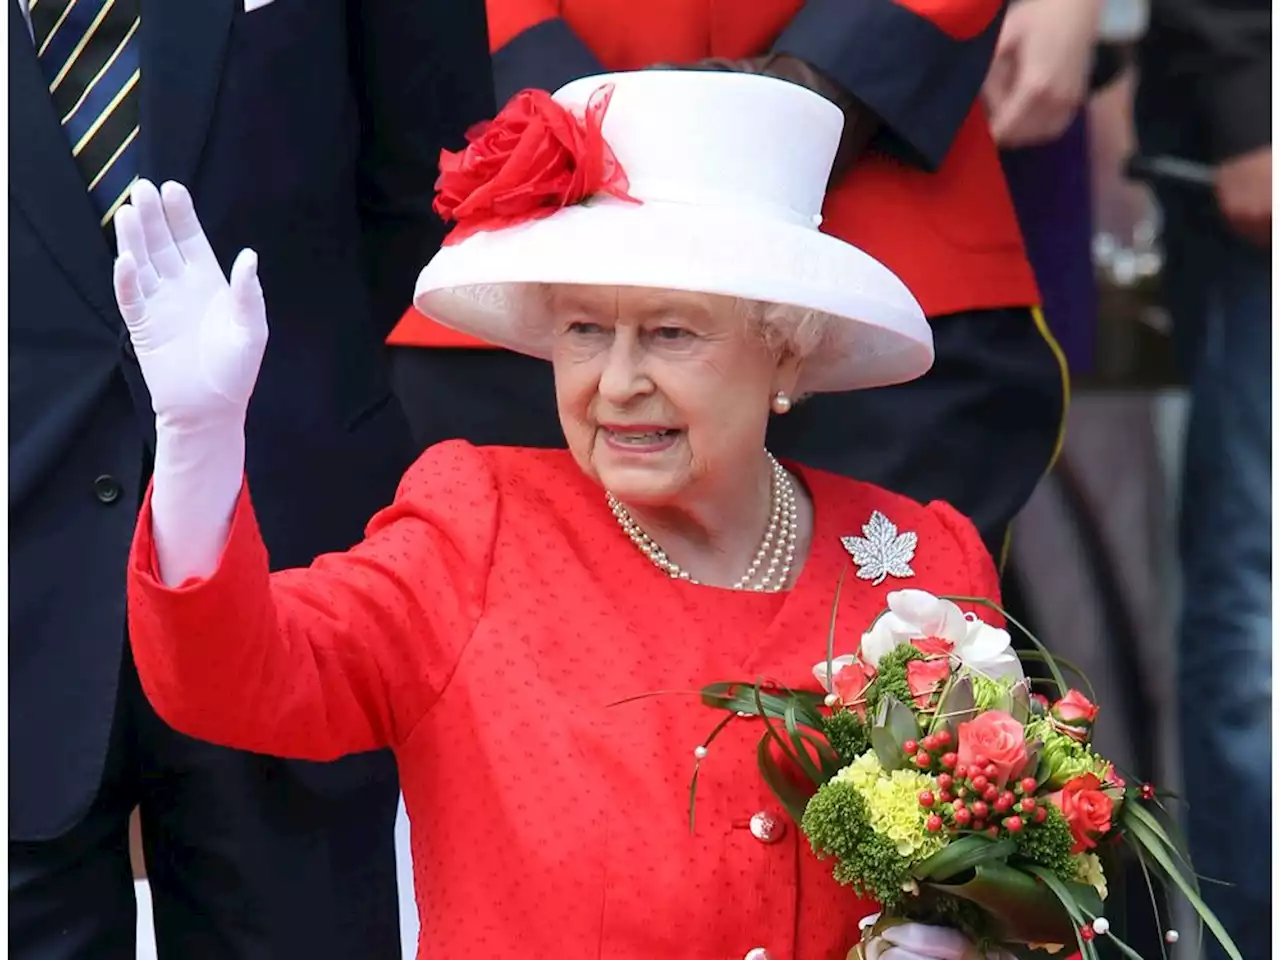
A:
[730,171]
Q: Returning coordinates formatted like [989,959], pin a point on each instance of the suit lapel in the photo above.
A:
[183,45]
[44,180]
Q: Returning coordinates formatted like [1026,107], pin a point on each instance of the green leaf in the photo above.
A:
[957,705]
[793,799]
[1065,896]
[962,854]
[1134,809]
[1026,911]
[831,632]
[893,726]
[1020,701]
[798,745]
[1158,849]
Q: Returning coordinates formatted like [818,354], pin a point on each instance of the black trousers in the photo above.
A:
[245,861]
[978,431]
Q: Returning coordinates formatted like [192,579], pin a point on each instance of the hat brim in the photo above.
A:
[877,334]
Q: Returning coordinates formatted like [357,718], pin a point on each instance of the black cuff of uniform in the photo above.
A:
[1239,108]
[919,81]
[545,57]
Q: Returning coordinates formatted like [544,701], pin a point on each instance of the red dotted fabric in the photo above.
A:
[483,630]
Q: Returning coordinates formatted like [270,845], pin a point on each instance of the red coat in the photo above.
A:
[929,199]
[481,630]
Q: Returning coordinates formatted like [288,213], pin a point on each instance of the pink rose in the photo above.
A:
[851,685]
[993,737]
[933,646]
[1086,809]
[925,679]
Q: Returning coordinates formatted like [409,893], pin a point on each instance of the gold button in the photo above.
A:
[767,827]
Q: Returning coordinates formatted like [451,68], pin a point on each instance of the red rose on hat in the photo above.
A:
[534,158]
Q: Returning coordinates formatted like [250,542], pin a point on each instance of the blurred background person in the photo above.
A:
[918,185]
[310,133]
[1203,116]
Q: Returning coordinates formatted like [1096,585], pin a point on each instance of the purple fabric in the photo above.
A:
[1053,196]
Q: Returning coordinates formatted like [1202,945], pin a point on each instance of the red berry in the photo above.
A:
[980,783]
[945,781]
[1004,802]
[1086,933]
[1148,791]
[991,792]
[945,796]
[934,823]
[923,760]
[962,772]
[979,825]
[991,770]
[930,742]
[926,798]
[963,816]
[993,831]
[979,809]
[1041,813]
[1013,824]
[979,761]
[1028,785]
[949,760]
[943,737]
[910,746]
[962,791]
[1028,805]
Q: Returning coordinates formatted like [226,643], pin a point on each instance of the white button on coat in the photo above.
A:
[757,953]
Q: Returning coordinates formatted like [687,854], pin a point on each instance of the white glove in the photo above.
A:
[918,941]
[199,341]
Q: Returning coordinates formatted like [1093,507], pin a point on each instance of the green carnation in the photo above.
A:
[1065,758]
[991,693]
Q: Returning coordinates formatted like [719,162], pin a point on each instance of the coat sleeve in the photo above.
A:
[1225,45]
[422,76]
[917,64]
[344,656]
[533,46]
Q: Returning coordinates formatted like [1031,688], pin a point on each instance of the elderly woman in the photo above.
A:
[653,235]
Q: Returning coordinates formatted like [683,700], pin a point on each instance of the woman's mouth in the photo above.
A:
[643,438]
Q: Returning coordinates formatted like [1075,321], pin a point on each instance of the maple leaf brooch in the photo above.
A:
[881,551]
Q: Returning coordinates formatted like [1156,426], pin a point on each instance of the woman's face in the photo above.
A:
[663,396]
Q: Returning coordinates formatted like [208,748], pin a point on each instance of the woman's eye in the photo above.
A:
[584,328]
[671,333]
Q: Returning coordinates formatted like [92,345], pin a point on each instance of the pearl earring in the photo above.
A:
[781,402]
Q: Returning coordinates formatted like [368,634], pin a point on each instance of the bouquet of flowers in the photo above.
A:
[951,793]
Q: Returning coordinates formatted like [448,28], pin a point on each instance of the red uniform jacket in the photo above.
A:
[486,629]
[929,199]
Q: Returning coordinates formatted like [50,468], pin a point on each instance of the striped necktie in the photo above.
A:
[88,50]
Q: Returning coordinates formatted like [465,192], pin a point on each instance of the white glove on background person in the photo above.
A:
[918,941]
[199,340]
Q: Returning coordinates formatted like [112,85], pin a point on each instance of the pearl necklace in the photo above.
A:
[770,568]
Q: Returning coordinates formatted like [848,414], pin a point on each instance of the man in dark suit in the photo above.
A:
[1204,99]
[309,131]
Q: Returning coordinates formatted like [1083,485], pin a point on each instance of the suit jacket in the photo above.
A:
[307,129]
[487,629]
[929,198]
